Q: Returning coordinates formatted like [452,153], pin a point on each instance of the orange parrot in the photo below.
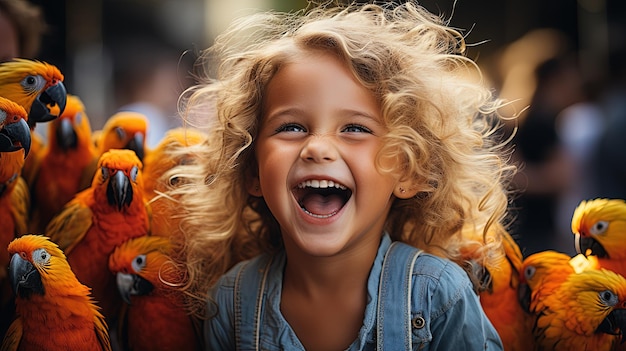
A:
[14,195]
[69,149]
[146,278]
[37,87]
[165,156]
[599,227]
[99,219]
[54,310]
[541,274]
[498,293]
[586,312]
[123,130]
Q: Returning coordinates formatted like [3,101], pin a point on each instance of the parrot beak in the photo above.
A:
[131,284]
[614,324]
[66,136]
[119,190]
[583,244]
[49,105]
[15,136]
[136,144]
[25,279]
[523,296]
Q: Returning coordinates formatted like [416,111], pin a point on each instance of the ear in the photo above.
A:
[253,184]
[405,189]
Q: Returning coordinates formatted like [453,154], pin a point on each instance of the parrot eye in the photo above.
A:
[133,173]
[3,116]
[78,118]
[608,297]
[33,83]
[105,173]
[139,263]
[529,272]
[599,227]
[41,257]
[121,133]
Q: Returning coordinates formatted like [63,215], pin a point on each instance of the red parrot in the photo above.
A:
[54,310]
[170,152]
[37,87]
[155,319]
[499,292]
[99,219]
[69,149]
[14,195]
[599,227]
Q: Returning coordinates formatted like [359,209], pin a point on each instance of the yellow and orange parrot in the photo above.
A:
[499,286]
[146,278]
[123,130]
[14,195]
[166,155]
[62,166]
[599,227]
[54,310]
[586,312]
[540,275]
[99,219]
[38,87]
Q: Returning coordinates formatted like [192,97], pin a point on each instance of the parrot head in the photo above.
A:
[536,269]
[14,131]
[120,170]
[605,290]
[599,227]
[125,130]
[36,86]
[35,261]
[73,124]
[139,264]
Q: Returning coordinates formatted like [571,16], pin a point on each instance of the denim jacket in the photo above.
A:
[445,313]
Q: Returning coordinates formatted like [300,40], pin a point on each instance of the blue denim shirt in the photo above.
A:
[445,312]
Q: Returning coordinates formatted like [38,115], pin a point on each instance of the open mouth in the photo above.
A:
[321,198]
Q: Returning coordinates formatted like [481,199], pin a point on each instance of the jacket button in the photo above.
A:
[418,322]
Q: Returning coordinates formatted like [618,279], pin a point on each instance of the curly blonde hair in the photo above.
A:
[442,122]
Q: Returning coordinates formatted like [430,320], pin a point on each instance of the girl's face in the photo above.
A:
[316,150]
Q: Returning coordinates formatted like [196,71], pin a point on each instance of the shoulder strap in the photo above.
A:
[249,287]
[393,328]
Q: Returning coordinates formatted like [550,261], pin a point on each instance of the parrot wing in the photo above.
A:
[13,336]
[69,227]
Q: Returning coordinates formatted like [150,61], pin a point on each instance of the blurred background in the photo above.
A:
[561,62]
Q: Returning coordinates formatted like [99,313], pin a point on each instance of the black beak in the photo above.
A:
[132,284]
[49,105]
[15,136]
[25,279]
[119,190]
[136,144]
[588,243]
[523,296]
[614,324]
[66,136]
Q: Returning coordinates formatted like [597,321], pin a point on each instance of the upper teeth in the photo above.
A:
[321,184]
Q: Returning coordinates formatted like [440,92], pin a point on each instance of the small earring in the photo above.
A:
[402,190]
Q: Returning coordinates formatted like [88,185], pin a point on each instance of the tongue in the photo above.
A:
[322,205]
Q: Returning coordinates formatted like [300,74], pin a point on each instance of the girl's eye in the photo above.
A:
[290,127]
[356,128]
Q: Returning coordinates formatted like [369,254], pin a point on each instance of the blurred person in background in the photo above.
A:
[21,28]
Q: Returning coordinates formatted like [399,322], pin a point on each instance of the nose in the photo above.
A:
[319,149]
